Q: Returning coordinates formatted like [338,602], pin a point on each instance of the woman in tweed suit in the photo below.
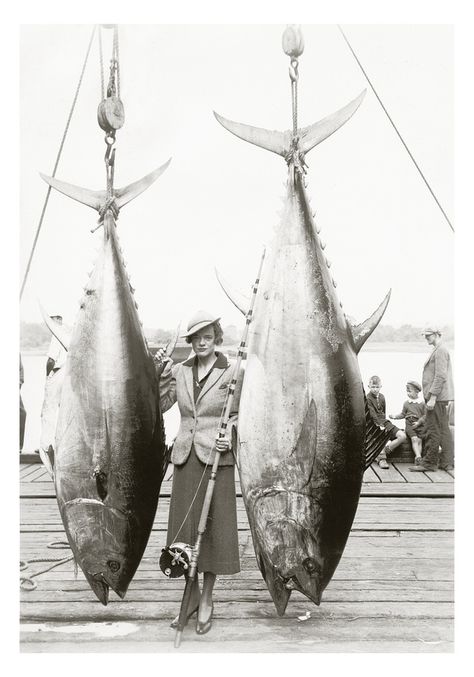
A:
[200,386]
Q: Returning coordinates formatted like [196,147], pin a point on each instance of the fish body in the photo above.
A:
[301,436]
[110,450]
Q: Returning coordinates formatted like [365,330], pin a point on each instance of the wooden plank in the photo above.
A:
[251,590]
[371,476]
[288,635]
[413,477]
[27,470]
[391,474]
[40,489]
[154,610]
[440,476]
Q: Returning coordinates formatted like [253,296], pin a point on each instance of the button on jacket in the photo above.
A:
[199,418]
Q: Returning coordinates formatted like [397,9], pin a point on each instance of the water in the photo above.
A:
[395,368]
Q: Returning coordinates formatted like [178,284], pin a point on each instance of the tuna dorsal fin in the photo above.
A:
[171,345]
[280,142]
[240,301]
[96,198]
[362,331]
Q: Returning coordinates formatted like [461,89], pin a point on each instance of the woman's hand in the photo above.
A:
[160,360]
[223,444]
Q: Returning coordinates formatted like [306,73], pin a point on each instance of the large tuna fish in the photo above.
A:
[302,426]
[110,450]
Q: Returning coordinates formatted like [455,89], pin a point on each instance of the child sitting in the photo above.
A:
[376,404]
[413,411]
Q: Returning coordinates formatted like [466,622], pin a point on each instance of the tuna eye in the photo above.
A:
[113,565]
[310,565]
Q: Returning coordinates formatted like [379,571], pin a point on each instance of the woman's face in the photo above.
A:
[204,342]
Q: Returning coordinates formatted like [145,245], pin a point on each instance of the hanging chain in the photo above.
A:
[293,69]
[110,116]
[293,46]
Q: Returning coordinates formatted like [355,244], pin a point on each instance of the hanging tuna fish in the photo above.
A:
[302,427]
[110,453]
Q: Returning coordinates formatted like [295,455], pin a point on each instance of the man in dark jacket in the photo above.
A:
[438,391]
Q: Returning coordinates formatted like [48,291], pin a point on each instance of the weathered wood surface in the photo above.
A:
[392,592]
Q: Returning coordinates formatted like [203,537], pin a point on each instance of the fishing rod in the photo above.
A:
[195,551]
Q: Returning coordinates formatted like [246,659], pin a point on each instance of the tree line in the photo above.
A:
[36,336]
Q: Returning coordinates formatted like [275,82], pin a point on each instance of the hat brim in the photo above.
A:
[197,327]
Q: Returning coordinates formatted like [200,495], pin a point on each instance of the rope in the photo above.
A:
[26,582]
[395,128]
[116,57]
[48,192]
[101,65]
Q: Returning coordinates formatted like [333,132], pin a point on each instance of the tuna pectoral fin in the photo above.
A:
[361,332]
[97,198]
[375,439]
[275,584]
[240,301]
[280,142]
[56,329]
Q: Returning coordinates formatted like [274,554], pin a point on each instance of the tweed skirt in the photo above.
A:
[220,546]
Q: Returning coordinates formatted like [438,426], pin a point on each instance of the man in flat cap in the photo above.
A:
[438,391]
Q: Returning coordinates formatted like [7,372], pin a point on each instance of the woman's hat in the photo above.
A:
[198,321]
[414,384]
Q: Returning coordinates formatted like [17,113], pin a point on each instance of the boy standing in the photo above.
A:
[376,404]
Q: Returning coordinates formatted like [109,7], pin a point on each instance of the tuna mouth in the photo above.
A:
[101,585]
[306,579]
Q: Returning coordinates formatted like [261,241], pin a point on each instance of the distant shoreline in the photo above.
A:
[370,346]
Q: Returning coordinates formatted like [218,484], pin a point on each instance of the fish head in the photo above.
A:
[289,552]
[101,538]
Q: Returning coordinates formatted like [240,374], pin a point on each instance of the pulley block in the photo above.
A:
[111,114]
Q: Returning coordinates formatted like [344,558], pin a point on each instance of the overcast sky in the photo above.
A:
[218,202]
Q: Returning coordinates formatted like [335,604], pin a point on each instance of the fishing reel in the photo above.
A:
[175,559]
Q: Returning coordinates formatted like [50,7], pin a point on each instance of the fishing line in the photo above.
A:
[48,192]
[395,128]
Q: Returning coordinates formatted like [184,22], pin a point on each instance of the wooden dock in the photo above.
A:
[392,592]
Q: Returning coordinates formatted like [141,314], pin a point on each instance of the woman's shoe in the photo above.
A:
[418,460]
[204,626]
[174,623]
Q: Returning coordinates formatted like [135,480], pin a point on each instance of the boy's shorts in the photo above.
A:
[391,429]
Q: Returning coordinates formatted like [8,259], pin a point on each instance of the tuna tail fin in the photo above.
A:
[280,142]
[362,331]
[240,301]
[97,198]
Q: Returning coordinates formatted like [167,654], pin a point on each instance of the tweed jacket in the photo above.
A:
[199,420]
[438,376]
